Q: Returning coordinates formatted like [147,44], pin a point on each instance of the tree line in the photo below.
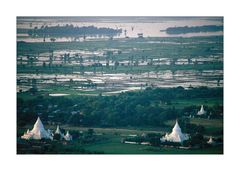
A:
[194,29]
[149,107]
[70,30]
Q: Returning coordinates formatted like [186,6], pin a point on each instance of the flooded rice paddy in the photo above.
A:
[121,82]
[149,26]
[98,65]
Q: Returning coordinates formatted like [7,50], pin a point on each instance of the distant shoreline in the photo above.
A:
[194,29]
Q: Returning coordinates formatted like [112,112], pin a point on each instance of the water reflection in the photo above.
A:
[148,26]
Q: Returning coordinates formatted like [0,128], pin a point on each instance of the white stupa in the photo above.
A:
[68,137]
[38,132]
[58,131]
[201,111]
[211,141]
[176,135]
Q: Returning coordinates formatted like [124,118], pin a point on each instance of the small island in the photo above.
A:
[194,29]
[70,30]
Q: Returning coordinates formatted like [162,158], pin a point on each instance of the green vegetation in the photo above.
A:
[158,47]
[116,148]
[70,30]
[93,74]
[107,141]
[151,107]
[196,29]
[114,118]
[140,63]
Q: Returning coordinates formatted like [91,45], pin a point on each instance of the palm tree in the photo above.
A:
[116,64]
[82,69]
[71,82]
[136,62]
[156,71]
[65,58]
[28,57]
[81,60]
[189,60]
[51,58]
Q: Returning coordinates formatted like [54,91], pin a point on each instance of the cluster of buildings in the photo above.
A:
[177,136]
[38,132]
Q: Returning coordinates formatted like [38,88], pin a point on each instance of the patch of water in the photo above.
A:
[58,94]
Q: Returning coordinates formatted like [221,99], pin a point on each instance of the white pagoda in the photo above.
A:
[176,135]
[211,141]
[38,132]
[58,131]
[201,111]
[68,137]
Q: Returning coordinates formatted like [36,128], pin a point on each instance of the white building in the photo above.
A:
[201,111]
[211,141]
[38,132]
[176,135]
[58,131]
[68,137]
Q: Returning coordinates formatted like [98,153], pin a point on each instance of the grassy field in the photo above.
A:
[169,46]
[180,103]
[111,144]
[204,65]
[212,127]
[115,147]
